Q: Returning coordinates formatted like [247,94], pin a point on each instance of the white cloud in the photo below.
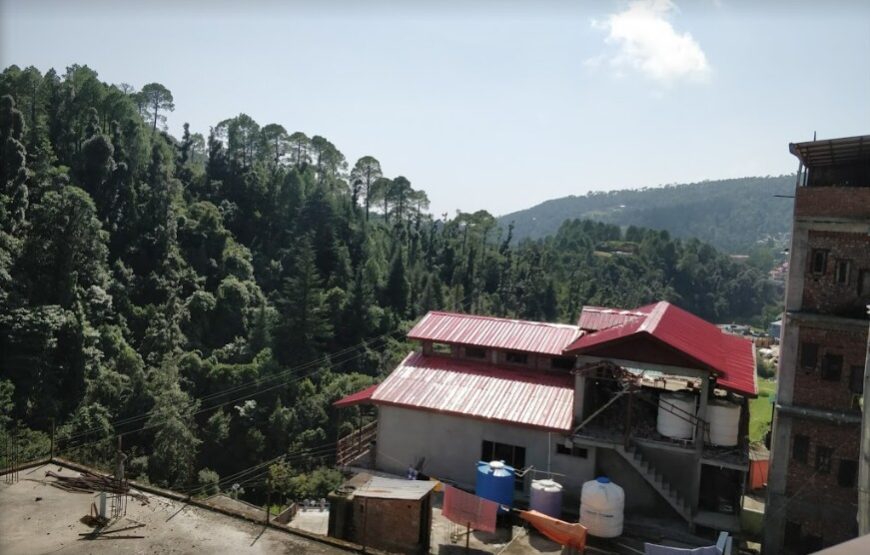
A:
[645,41]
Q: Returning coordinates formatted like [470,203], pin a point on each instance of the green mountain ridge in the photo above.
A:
[730,214]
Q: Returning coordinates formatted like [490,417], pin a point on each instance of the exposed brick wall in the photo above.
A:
[389,524]
[822,292]
[817,501]
[838,202]
[810,389]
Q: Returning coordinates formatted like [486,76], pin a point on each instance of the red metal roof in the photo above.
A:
[358,398]
[494,333]
[732,358]
[595,318]
[447,385]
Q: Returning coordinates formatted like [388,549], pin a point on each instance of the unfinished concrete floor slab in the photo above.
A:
[36,517]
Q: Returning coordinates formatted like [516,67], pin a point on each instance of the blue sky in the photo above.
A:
[490,105]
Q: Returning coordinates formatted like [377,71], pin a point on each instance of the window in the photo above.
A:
[809,355]
[842,271]
[793,535]
[517,358]
[864,283]
[846,476]
[562,363]
[442,348]
[473,352]
[819,261]
[856,379]
[512,455]
[832,367]
[574,450]
[823,459]
[800,446]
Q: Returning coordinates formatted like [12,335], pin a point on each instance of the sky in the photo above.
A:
[495,105]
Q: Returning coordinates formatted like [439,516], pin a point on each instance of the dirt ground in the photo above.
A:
[449,539]
[37,518]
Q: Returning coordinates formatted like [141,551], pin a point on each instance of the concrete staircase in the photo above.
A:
[656,480]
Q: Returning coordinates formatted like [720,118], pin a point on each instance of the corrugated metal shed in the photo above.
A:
[494,333]
[446,385]
[596,318]
[730,357]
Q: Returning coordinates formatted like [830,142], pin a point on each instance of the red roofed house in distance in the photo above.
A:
[653,397]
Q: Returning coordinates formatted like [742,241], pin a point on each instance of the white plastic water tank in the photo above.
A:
[602,507]
[724,419]
[546,497]
[675,415]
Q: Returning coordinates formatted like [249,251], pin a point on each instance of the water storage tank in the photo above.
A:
[675,413]
[724,418]
[602,504]
[546,497]
[495,481]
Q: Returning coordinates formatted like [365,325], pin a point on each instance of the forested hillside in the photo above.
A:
[207,297]
[731,214]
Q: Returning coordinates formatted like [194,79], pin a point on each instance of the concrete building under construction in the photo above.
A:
[812,485]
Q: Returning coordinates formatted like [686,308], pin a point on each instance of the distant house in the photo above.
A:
[577,401]
[775,329]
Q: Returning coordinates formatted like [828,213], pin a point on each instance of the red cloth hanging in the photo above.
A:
[469,510]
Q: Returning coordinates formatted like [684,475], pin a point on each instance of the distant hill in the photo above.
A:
[731,214]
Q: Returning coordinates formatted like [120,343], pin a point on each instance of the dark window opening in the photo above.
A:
[842,273]
[442,348]
[517,358]
[847,473]
[512,455]
[793,535]
[832,367]
[823,459]
[809,355]
[473,352]
[562,363]
[856,379]
[800,447]
[819,261]
[864,283]
[812,543]
[574,450]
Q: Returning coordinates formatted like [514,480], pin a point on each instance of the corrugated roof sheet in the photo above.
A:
[447,385]
[358,398]
[494,333]
[732,358]
[394,488]
[596,318]
[831,151]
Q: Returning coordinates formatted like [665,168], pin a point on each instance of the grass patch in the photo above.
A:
[760,410]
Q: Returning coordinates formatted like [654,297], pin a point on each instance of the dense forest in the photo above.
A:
[735,215]
[205,298]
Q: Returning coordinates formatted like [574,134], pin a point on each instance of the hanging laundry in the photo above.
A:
[469,510]
[655,549]
[569,534]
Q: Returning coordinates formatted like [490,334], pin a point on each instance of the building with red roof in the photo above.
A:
[576,401]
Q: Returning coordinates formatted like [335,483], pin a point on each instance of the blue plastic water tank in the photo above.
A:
[495,481]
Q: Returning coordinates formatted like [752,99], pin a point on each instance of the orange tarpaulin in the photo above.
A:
[564,533]
[758,474]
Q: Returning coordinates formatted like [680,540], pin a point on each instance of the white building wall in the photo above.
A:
[452,447]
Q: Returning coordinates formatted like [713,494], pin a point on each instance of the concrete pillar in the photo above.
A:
[700,435]
[579,396]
